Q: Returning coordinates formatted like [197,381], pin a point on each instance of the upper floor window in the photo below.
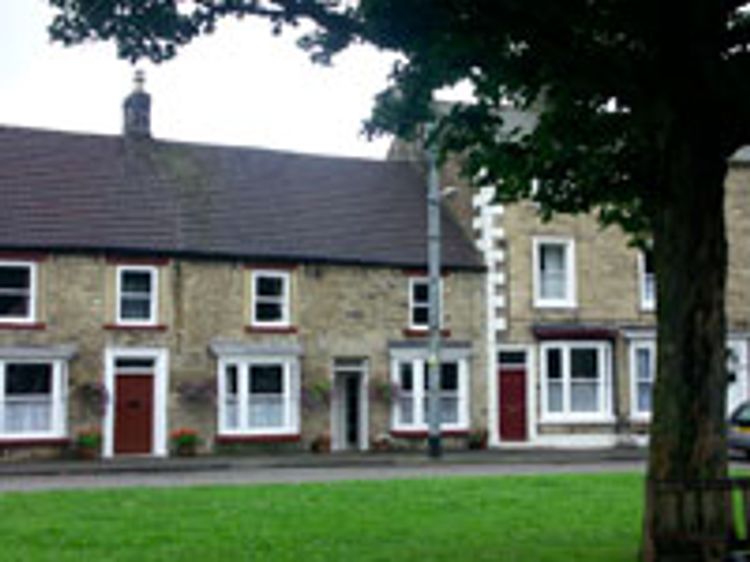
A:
[419,303]
[31,398]
[554,273]
[647,280]
[137,300]
[575,381]
[17,291]
[270,294]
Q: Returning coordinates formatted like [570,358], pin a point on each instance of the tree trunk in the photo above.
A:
[688,440]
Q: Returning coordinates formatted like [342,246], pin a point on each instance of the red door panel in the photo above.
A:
[513,405]
[134,397]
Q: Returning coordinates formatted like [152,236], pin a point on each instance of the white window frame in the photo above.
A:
[568,244]
[291,391]
[58,398]
[419,394]
[647,301]
[604,364]
[426,281]
[285,278]
[32,290]
[635,346]
[154,296]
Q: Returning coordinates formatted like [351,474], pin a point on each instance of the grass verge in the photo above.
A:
[555,518]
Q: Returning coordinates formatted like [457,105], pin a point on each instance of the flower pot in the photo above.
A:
[87,453]
[186,450]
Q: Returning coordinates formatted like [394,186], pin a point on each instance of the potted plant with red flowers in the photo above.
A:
[184,442]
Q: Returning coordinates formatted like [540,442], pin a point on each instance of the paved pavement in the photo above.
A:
[298,468]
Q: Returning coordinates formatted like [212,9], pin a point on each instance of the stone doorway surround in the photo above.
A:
[160,358]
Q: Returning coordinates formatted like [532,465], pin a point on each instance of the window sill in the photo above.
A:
[555,305]
[597,419]
[23,326]
[423,433]
[228,439]
[137,327]
[21,441]
[271,329]
[424,332]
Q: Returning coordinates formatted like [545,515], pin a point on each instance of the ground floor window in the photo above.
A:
[411,381]
[576,381]
[31,398]
[643,375]
[258,396]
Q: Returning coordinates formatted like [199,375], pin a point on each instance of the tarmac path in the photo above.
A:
[244,474]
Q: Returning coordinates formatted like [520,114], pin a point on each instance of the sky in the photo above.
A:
[239,86]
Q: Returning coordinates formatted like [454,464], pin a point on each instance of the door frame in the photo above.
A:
[363,443]
[531,399]
[161,380]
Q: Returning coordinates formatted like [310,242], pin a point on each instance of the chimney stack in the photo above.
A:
[137,109]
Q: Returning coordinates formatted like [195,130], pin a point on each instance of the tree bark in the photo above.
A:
[688,440]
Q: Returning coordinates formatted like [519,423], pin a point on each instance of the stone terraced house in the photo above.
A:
[265,299]
[571,322]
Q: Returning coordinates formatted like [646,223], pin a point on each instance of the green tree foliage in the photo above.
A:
[638,106]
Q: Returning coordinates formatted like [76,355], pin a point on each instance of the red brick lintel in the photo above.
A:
[271,329]
[422,434]
[268,438]
[23,326]
[423,333]
[23,256]
[31,442]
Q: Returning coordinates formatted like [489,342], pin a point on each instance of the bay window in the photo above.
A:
[576,381]
[258,396]
[642,376]
[411,407]
[32,401]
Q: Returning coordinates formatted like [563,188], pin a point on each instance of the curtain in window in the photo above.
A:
[28,398]
[552,271]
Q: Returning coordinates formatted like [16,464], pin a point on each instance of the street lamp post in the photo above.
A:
[433,266]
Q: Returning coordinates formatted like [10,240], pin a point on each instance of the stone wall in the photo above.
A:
[336,312]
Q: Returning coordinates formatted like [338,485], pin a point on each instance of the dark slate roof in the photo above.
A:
[80,192]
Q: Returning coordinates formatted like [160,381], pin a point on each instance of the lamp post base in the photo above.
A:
[434,447]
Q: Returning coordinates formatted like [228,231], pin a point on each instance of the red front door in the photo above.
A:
[513,404]
[134,413]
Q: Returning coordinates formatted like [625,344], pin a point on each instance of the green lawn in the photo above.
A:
[504,519]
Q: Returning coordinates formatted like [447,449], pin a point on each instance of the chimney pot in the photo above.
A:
[137,109]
